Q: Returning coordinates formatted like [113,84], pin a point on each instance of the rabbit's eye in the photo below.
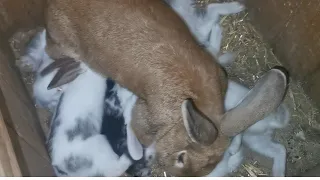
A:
[59,89]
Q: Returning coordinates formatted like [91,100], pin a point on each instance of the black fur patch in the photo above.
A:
[76,163]
[113,126]
[110,93]
[83,128]
[114,129]
[110,86]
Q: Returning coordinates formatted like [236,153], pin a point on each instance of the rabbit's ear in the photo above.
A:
[260,101]
[57,64]
[68,71]
[134,147]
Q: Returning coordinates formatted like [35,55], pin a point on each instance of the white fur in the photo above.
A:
[36,60]
[82,101]
[206,28]
[258,137]
[201,27]
[90,156]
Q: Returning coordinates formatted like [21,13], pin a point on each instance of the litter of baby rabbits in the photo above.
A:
[253,58]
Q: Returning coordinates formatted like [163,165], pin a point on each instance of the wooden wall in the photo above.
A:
[15,104]
[292,29]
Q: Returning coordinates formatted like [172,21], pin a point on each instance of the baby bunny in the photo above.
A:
[35,60]
[258,137]
[77,144]
[204,24]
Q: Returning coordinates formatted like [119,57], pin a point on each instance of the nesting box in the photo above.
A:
[289,26]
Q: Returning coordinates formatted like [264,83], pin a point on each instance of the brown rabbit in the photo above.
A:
[146,47]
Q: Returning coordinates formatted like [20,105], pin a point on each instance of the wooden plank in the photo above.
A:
[38,166]
[15,103]
[32,163]
[8,161]
[18,107]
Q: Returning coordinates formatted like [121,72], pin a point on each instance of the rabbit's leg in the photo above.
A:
[235,144]
[215,39]
[235,160]
[214,47]
[276,151]
[232,158]
[224,9]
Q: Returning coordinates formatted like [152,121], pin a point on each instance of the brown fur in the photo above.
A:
[146,47]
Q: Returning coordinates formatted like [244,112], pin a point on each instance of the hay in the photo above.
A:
[254,58]
[252,170]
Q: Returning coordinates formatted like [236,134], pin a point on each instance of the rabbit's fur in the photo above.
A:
[258,137]
[147,48]
[259,133]
[204,24]
[80,141]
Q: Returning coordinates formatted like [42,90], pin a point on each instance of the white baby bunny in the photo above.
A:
[75,143]
[204,24]
[258,137]
[35,60]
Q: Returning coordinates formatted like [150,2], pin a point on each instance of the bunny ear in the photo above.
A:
[134,147]
[199,128]
[67,73]
[58,63]
[260,101]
